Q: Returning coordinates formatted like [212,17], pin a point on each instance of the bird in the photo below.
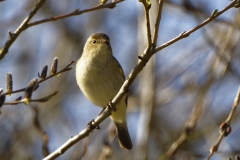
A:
[100,76]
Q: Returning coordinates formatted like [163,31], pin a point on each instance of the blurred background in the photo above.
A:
[189,85]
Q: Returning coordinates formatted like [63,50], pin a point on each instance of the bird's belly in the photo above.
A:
[98,89]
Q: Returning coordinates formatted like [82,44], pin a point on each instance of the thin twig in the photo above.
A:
[187,33]
[67,68]
[13,36]
[225,127]
[44,99]
[234,107]
[147,99]
[75,13]
[25,24]
[156,28]
[38,127]
[148,26]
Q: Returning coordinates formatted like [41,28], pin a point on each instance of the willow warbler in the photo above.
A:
[100,76]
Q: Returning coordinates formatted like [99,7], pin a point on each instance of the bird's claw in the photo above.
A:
[110,105]
[91,125]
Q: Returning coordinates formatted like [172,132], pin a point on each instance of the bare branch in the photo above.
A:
[67,68]
[159,14]
[147,6]
[44,99]
[13,36]
[84,133]
[187,33]
[38,127]
[234,107]
[75,13]
[25,24]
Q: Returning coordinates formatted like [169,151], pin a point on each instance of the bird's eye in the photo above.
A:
[107,43]
[94,41]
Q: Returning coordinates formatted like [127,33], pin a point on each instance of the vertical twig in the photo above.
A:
[147,92]
[148,26]
[38,127]
[156,28]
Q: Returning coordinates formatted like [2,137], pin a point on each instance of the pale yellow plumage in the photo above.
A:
[100,76]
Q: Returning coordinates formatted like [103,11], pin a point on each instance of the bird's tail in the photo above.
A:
[123,135]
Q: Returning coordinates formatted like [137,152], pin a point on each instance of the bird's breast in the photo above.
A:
[99,82]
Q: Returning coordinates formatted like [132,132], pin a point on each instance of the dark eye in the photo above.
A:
[107,43]
[94,41]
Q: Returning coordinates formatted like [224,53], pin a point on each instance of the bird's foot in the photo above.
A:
[91,125]
[110,105]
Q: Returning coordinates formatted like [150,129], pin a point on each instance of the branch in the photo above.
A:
[39,129]
[159,14]
[94,124]
[225,128]
[25,24]
[13,36]
[187,33]
[188,6]
[67,68]
[44,99]
[32,85]
[75,13]
[147,6]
